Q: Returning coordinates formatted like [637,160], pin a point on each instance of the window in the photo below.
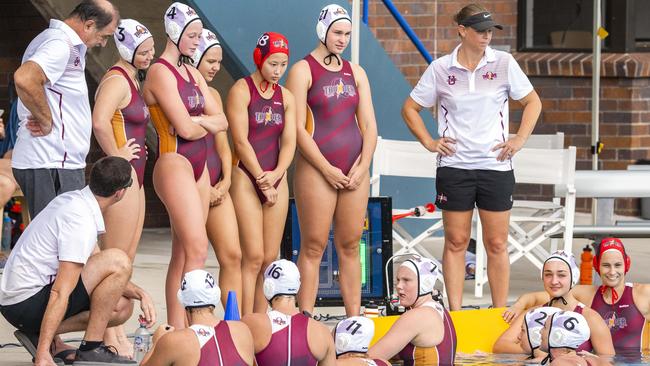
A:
[566,25]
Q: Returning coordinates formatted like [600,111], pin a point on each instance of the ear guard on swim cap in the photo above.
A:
[426,271]
[128,36]
[177,18]
[268,44]
[353,335]
[611,244]
[328,16]
[199,289]
[568,329]
[207,40]
[281,278]
[534,321]
[570,261]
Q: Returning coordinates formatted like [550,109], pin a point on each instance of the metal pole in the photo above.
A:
[356,20]
[365,11]
[595,97]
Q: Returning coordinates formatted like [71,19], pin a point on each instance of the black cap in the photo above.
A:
[481,22]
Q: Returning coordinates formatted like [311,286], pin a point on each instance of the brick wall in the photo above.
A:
[433,22]
[563,82]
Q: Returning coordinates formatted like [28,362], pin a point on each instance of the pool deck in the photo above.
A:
[155,247]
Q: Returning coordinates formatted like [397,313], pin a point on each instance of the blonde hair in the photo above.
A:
[467,11]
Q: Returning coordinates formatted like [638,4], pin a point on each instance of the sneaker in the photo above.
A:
[102,355]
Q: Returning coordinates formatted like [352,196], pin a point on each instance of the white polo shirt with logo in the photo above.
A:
[61,54]
[66,230]
[473,105]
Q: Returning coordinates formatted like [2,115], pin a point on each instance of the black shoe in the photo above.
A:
[102,355]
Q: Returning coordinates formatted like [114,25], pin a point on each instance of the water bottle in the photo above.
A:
[6,232]
[142,341]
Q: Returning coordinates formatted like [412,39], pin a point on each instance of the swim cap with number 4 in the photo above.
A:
[177,18]
[281,278]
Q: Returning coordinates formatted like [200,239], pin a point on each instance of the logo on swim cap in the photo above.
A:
[140,30]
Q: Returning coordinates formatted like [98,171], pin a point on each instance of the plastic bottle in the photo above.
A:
[586,266]
[371,310]
[142,341]
[6,233]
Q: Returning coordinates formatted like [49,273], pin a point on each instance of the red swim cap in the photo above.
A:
[268,44]
[611,244]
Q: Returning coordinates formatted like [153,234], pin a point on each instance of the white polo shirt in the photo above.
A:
[66,230]
[473,106]
[61,54]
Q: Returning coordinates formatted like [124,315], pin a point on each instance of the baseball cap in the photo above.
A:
[481,22]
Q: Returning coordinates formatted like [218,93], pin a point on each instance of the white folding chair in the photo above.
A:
[406,159]
[533,222]
[544,141]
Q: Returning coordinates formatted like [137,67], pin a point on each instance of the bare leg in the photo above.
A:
[123,229]
[250,218]
[105,276]
[316,202]
[186,203]
[274,218]
[224,237]
[8,184]
[495,237]
[349,218]
[175,311]
[457,226]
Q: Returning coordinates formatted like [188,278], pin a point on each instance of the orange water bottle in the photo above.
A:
[586,266]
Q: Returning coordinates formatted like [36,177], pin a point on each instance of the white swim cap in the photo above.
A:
[128,36]
[425,270]
[534,321]
[353,335]
[328,16]
[177,17]
[207,40]
[199,289]
[281,278]
[568,330]
[570,261]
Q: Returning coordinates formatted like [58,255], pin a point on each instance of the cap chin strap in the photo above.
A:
[142,74]
[264,87]
[558,298]
[328,59]
[604,288]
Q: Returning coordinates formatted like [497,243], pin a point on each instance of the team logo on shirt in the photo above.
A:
[268,117]
[77,61]
[279,321]
[489,75]
[195,100]
[451,79]
[145,110]
[441,198]
[203,332]
[339,89]
[614,322]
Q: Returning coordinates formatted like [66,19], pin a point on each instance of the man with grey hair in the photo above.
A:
[54,110]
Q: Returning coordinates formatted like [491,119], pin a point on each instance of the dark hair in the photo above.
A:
[467,11]
[109,175]
[94,10]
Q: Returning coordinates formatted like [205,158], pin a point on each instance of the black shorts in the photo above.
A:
[462,189]
[27,315]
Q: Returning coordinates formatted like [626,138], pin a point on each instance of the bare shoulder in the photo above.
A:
[300,67]
[238,329]
[287,95]
[584,293]
[183,342]
[254,320]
